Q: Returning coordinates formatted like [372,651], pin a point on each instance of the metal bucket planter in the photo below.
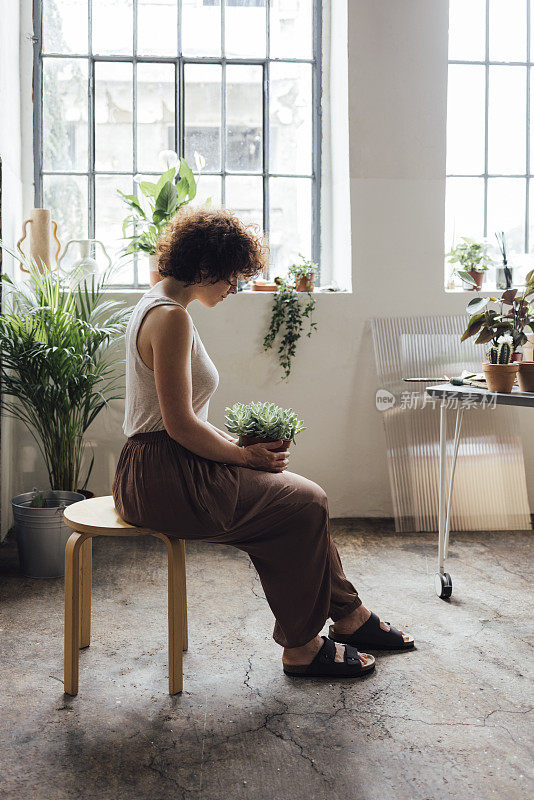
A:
[42,532]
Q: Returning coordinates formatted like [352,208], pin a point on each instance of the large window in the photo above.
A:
[489,140]
[231,85]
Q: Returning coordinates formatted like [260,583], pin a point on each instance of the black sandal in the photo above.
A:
[371,635]
[324,665]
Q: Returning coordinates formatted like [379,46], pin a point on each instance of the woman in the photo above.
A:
[179,474]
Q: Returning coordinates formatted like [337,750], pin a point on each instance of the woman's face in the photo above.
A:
[210,294]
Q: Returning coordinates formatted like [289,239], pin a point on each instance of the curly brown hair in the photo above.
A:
[205,244]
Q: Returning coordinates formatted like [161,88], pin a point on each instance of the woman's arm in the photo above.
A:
[224,434]
[171,337]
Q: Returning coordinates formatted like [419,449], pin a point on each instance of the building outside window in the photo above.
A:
[233,87]
[489,129]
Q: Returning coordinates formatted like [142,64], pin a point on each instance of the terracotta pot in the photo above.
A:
[517,357]
[245,441]
[500,377]
[306,283]
[525,376]
[87,493]
[478,277]
[154,275]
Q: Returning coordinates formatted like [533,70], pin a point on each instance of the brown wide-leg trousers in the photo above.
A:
[279,518]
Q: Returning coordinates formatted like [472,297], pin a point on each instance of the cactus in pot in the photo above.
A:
[502,352]
[263,422]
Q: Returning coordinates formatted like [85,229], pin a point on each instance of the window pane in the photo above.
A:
[507,126]
[64,26]
[203,114]
[244,118]
[201,28]
[465,119]
[157,27]
[290,222]
[65,128]
[464,210]
[506,211]
[113,116]
[246,29]
[112,27]
[531,225]
[467,30]
[208,189]
[508,30]
[110,210]
[291,118]
[155,113]
[244,196]
[66,197]
[291,31]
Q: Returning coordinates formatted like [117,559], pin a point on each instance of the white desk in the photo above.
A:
[458,398]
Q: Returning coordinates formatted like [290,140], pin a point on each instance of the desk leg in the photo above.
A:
[442,582]
[457,431]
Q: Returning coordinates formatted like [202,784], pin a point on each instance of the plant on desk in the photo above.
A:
[504,327]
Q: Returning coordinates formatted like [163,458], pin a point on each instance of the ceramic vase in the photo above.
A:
[42,235]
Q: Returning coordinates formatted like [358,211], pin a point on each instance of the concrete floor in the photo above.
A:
[450,719]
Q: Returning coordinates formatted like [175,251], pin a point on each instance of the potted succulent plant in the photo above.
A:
[156,206]
[473,259]
[258,422]
[504,327]
[58,371]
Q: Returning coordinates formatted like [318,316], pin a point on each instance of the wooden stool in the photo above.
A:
[97,517]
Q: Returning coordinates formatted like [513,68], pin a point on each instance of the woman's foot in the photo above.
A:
[356,619]
[301,656]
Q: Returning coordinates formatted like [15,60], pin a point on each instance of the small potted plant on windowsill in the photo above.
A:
[263,422]
[473,259]
[303,274]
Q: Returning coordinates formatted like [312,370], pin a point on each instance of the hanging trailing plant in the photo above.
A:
[287,318]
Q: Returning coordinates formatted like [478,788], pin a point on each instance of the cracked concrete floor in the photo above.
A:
[450,719]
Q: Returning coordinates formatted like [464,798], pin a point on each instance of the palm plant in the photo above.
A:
[56,347]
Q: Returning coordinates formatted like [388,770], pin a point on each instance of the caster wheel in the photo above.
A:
[443,584]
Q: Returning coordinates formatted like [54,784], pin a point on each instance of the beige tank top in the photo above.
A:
[142,409]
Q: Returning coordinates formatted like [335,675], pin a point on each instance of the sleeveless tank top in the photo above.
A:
[142,410]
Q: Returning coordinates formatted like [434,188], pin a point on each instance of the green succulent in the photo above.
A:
[265,420]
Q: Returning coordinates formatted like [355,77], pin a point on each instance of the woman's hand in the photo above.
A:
[261,456]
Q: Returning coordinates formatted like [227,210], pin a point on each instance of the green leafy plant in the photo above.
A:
[471,255]
[288,314]
[175,188]
[264,420]
[512,315]
[57,348]
[303,270]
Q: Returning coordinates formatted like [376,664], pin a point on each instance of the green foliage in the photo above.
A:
[38,501]
[175,188]
[57,343]
[263,419]
[288,314]
[470,255]
[514,314]
[303,270]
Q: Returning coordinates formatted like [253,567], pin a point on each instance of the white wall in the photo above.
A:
[397,100]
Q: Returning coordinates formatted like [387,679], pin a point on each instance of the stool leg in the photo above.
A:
[183,589]
[72,612]
[175,551]
[86,565]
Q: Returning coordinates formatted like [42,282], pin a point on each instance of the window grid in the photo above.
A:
[180,62]
[487,63]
